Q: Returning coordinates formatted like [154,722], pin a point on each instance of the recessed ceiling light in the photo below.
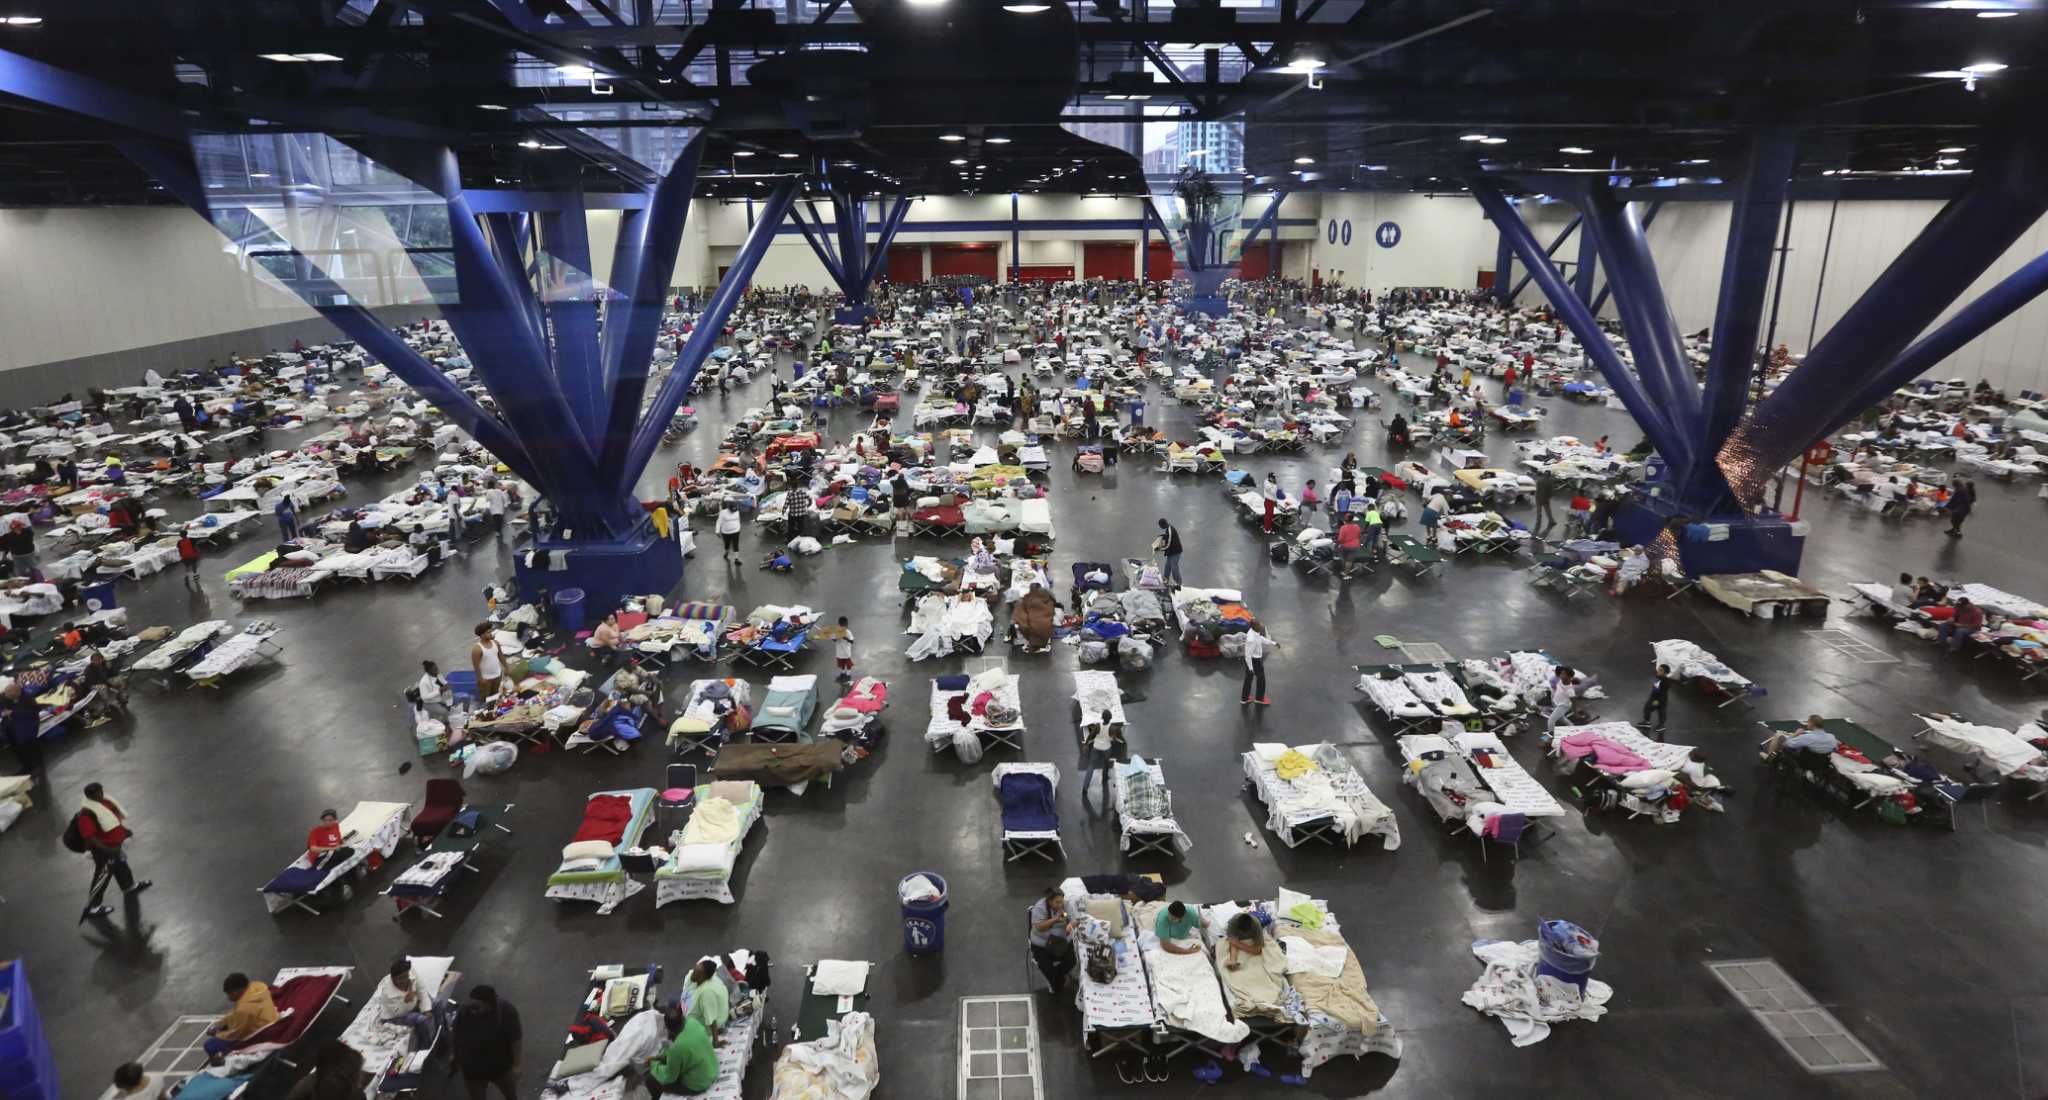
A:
[787,156]
[1370,168]
[1027,9]
[1304,160]
[308,56]
[1576,150]
[1982,67]
[743,152]
[1493,141]
[1996,14]
[280,57]
[24,20]
[952,137]
[529,143]
[1695,160]
[1471,137]
[959,160]
[576,72]
[1952,149]
[1946,161]
[492,107]
[998,139]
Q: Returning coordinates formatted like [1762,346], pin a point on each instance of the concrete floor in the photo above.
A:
[1923,942]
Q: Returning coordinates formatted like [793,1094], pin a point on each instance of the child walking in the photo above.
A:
[842,651]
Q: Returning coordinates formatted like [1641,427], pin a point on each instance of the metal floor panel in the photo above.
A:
[1808,1032]
[999,1049]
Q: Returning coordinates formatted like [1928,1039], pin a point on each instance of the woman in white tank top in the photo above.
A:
[484,659]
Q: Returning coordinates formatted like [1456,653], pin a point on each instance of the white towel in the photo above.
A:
[839,978]
[1304,957]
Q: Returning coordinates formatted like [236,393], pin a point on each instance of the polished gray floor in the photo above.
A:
[1926,945]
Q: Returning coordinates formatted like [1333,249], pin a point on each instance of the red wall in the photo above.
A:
[964,259]
[906,263]
[1257,262]
[1046,273]
[1162,261]
[1109,260]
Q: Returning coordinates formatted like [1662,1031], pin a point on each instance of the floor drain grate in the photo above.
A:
[1425,653]
[1852,647]
[998,1049]
[1808,1032]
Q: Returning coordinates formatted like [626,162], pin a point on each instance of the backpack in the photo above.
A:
[73,839]
[1101,964]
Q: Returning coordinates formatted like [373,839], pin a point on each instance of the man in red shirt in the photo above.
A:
[323,842]
[1348,538]
[1963,625]
[104,829]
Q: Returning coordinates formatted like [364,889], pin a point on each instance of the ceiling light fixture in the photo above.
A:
[259,175]
[1946,161]
[530,143]
[16,21]
[952,137]
[1575,150]
[1493,141]
[1304,160]
[1471,137]
[1996,14]
[1027,9]
[1695,160]
[743,152]
[576,72]
[997,140]
[492,107]
[958,160]
[1982,68]
[24,20]
[1952,149]
[787,156]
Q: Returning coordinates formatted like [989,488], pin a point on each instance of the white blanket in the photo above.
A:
[1526,1004]
[2003,750]
[1185,988]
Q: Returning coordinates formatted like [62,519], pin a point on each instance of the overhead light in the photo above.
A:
[999,139]
[1027,9]
[529,143]
[1996,14]
[743,152]
[554,147]
[492,107]
[1695,160]
[1304,160]
[1983,67]
[1953,149]
[1493,141]
[959,160]
[1575,150]
[1471,137]
[924,3]
[287,57]
[1946,161]
[24,20]
[576,72]
[981,167]
[1374,167]
[31,20]
[787,156]
[952,137]
[303,56]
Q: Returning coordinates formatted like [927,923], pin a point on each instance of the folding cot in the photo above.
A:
[1030,815]
[1614,765]
[301,995]
[776,646]
[1316,1013]
[591,869]
[1990,754]
[856,718]
[1689,661]
[1472,783]
[838,1061]
[1006,702]
[1414,696]
[254,645]
[429,880]
[1313,793]
[392,1054]
[1410,553]
[1119,1014]
[786,709]
[1909,788]
[1144,810]
[1187,995]
[703,853]
[939,520]
[706,719]
[370,827]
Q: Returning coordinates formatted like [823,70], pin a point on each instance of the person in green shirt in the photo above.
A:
[1179,929]
[710,1003]
[689,1065]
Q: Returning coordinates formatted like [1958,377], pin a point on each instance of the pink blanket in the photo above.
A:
[866,698]
[1607,756]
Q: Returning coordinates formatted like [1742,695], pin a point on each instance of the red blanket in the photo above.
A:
[605,818]
[298,1002]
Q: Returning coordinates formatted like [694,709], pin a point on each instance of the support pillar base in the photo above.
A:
[1754,543]
[607,572]
[1214,306]
[852,315]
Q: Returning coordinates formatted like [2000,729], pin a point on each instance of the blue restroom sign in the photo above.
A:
[1347,231]
[1331,233]
[1388,234]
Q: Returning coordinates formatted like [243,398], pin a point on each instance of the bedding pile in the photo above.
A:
[1525,1001]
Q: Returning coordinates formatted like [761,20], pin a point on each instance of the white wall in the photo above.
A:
[1445,241]
[79,282]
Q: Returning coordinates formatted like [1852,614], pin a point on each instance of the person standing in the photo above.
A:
[486,662]
[1433,511]
[1563,691]
[287,518]
[24,725]
[1098,751]
[729,529]
[188,553]
[454,519]
[1960,504]
[1546,487]
[1256,645]
[1050,925]
[842,651]
[1349,536]
[1271,493]
[1660,698]
[486,1044]
[103,828]
[1169,547]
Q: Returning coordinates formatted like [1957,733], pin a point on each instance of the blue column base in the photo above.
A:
[607,572]
[1215,306]
[852,315]
[1754,542]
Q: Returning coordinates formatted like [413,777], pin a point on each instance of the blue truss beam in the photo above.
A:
[83,95]
[1588,262]
[572,316]
[820,244]
[1570,228]
[1649,219]
[1265,221]
[2002,200]
[1661,431]
[855,265]
[705,335]
[892,223]
[1503,270]
[643,265]
[1975,319]
[1653,335]
[1745,272]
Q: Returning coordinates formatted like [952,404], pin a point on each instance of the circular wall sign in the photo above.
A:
[1388,234]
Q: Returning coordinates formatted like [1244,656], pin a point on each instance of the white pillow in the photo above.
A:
[588,849]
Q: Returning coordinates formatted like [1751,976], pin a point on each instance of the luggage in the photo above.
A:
[1278,551]
[1133,654]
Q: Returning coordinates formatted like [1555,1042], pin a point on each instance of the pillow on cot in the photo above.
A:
[587,849]
[735,791]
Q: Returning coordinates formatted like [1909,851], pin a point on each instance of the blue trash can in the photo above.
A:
[98,597]
[569,610]
[1565,952]
[924,921]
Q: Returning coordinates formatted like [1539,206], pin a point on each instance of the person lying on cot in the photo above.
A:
[1179,929]
[1811,736]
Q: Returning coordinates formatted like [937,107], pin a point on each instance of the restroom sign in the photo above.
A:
[1388,234]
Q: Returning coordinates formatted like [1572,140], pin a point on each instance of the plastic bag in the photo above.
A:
[10,812]
[494,758]
[1133,654]
[967,746]
[1094,652]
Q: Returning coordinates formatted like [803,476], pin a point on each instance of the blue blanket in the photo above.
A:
[296,880]
[1027,804]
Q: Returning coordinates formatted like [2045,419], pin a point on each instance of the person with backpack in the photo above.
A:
[100,829]
[1169,546]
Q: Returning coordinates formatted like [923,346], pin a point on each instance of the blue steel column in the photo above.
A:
[1745,270]
[1998,303]
[878,257]
[642,265]
[1503,269]
[1653,334]
[573,315]
[1649,219]
[1660,431]
[2002,200]
[820,244]
[1570,227]
[1589,255]
[1265,221]
[705,335]
[1145,242]
[1016,237]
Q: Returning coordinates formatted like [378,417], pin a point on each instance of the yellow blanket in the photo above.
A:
[1344,998]
[714,821]
[1292,765]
